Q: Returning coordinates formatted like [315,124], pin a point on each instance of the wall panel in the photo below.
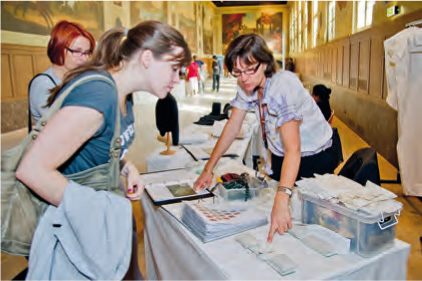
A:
[354,65]
[346,64]
[23,72]
[19,64]
[41,63]
[364,59]
[6,82]
[340,65]
[376,68]
[334,64]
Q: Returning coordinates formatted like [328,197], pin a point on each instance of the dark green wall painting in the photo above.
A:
[39,17]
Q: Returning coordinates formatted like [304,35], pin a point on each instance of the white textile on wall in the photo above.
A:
[403,56]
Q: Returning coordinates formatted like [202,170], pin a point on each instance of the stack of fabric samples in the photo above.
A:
[214,221]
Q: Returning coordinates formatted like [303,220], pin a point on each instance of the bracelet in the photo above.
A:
[208,171]
[285,189]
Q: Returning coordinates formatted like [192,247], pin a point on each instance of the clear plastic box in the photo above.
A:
[238,194]
[368,234]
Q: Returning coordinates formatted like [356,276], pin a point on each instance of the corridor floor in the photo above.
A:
[191,109]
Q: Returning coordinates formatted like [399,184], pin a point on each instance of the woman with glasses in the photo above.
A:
[78,138]
[292,126]
[70,45]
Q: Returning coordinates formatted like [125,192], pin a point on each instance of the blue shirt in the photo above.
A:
[101,96]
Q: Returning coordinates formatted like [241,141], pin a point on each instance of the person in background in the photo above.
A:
[78,137]
[192,76]
[202,65]
[226,73]
[216,72]
[292,126]
[70,45]
[290,66]
[321,95]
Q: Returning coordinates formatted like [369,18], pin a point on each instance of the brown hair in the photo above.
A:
[119,44]
[250,48]
[62,36]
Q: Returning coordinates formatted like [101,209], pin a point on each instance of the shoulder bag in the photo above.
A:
[29,104]
[21,208]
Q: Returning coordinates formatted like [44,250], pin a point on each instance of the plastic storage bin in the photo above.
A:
[238,194]
[368,234]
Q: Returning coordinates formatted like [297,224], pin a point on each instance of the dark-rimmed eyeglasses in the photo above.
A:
[250,71]
[77,53]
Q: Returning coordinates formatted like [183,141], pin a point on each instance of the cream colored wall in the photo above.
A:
[406,7]
[345,14]
[344,26]
[345,17]
[9,37]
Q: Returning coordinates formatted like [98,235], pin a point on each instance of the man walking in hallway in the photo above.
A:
[216,69]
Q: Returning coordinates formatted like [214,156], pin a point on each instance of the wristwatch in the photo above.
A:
[285,189]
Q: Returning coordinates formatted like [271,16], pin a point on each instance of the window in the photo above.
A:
[305,25]
[364,13]
[315,22]
[331,19]
[291,32]
[295,29]
[300,47]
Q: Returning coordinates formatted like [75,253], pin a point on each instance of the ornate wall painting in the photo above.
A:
[268,25]
[207,31]
[186,17]
[147,10]
[39,17]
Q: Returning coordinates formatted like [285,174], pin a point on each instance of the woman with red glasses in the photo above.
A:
[292,126]
[70,45]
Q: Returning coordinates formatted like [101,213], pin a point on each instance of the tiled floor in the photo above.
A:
[190,109]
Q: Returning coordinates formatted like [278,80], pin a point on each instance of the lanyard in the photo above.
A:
[262,122]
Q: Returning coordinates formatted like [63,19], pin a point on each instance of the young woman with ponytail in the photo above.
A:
[145,58]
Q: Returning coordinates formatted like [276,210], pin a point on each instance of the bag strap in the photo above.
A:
[29,92]
[115,147]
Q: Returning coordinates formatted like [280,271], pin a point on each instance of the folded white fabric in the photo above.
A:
[193,138]
[218,127]
[371,198]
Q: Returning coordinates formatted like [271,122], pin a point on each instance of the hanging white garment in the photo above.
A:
[403,60]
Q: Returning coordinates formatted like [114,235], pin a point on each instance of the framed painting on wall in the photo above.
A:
[268,25]
[186,22]
[147,10]
[208,28]
[39,17]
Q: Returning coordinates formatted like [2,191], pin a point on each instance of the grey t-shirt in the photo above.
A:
[39,93]
[101,96]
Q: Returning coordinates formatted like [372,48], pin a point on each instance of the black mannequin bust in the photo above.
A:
[167,120]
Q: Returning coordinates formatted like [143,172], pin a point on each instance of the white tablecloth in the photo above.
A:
[173,252]
[244,147]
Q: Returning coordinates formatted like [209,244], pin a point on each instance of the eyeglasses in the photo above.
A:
[250,71]
[78,54]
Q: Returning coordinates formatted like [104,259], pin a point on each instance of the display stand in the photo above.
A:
[168,151]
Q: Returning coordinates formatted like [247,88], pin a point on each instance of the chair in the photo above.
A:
[362,166]
[336,149]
